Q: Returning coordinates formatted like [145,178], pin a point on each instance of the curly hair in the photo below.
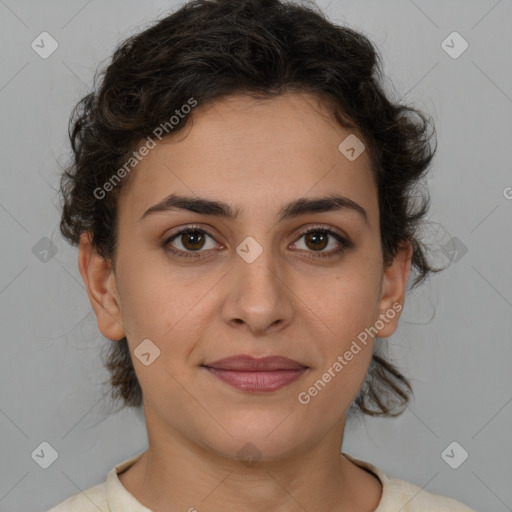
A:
[213,49]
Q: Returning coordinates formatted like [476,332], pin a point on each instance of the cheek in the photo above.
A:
[347,308]
[159,302]
[349,300]
[147,300]
[345,348]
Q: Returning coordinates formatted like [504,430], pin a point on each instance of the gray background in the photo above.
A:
[455,333]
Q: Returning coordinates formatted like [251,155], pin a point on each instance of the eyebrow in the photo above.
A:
[301,206]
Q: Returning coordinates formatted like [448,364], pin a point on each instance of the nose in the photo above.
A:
[258,297]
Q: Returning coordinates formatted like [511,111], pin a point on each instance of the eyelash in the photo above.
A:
[344,243]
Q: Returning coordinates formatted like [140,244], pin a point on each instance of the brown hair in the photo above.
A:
[209,50]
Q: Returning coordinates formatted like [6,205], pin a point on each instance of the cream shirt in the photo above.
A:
[397,495]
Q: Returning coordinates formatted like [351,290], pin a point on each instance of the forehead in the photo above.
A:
[255,155]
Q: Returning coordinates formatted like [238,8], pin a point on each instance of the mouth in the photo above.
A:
[249,374]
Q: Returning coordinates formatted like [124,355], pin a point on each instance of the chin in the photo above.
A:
[258,441]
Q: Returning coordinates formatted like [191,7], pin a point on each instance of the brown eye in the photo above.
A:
[192,240]
[189,241]
[317,240]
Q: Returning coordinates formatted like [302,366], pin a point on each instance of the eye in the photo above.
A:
[317,239]
[192,239]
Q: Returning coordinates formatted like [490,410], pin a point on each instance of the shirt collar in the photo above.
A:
[120,500]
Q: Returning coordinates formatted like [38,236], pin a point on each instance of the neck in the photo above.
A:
[175,474]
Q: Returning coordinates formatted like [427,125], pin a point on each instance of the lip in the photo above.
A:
[249,374]
[246,363]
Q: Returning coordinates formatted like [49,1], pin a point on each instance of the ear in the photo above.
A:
[394,284]
[100,281]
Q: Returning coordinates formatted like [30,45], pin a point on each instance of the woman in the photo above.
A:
[242,197]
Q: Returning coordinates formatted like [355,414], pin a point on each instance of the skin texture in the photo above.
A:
[255,155]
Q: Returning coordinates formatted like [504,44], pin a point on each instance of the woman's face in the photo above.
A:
[254,284]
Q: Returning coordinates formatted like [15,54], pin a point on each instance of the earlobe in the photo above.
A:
[100,281]
[394,286]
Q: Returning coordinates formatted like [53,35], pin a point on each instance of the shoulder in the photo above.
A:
[105,496]
[415,499]
[93,499]
[405,496]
